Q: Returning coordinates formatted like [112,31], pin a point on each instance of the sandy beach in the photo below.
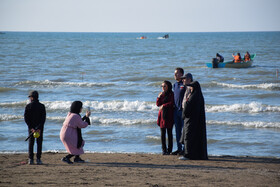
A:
[139,170]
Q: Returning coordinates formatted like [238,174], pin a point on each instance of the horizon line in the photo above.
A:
[139,31]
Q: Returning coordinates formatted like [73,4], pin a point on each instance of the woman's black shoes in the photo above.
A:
[165,153]
[78,160]
[67,160]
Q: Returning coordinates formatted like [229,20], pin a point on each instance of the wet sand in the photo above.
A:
[139,170]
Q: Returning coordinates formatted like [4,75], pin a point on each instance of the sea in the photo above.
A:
[119,76]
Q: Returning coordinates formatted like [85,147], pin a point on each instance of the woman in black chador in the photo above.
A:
[194,131]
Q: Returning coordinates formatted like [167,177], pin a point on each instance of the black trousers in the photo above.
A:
[39,145]
[163,139]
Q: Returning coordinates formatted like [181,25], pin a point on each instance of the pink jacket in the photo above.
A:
[69,134]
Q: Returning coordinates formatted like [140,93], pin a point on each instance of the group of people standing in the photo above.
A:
[185,108]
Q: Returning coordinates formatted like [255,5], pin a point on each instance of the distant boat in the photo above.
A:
[231,64]
[142,37]
[164,37]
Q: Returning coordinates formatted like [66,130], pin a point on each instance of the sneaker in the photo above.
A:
[183,158]
[78,160]
[30,161]
[39,161]
[67,160]
[176,152]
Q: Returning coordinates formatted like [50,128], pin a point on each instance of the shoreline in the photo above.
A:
[135,153]
[135,169]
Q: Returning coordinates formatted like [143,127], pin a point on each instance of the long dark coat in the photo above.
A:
[194,131]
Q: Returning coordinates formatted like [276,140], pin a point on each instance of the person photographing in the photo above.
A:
[71,135]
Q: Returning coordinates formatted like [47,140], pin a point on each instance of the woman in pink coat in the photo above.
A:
[165,101]
[70,133]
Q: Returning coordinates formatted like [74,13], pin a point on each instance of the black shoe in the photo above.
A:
[39,161]
[67,160]
[181,153]
[176,152]
[78,160]
[165,153]
[30,161]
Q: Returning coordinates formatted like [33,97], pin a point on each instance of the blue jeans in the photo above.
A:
[179,123]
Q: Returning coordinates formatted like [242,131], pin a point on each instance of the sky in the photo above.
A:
[139,16]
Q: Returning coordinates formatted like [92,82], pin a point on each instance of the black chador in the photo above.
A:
[194,131]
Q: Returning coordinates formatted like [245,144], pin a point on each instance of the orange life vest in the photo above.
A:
[237,59]
[247,58]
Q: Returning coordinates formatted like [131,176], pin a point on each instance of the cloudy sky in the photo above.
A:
[139,16]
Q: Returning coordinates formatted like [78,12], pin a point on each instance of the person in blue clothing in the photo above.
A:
[179,91]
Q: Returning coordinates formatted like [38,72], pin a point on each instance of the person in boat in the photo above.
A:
[247,57]
[194,135]
[237,58]
[165,121]
[219,57]
[166,36]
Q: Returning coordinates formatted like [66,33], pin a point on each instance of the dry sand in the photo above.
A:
[139,170]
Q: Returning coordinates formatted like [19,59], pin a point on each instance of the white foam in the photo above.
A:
[265,86]
[94,105]
[253,107]
[255,124]
[48,83]
[153,137]
[14,104]
[105,105]
[108,121]
[94,119]
[8,117]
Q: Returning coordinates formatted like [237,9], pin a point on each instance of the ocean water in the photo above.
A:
[119,77]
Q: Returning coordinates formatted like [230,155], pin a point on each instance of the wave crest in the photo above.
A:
[48,83]
[253,107]
[263,86]
[254,124]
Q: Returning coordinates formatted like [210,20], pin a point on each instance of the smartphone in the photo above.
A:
[88,109]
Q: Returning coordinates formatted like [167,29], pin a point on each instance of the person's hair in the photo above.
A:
[238,54]
[218,55]
[181,70]
[76,107]
[169,86]
[34,94]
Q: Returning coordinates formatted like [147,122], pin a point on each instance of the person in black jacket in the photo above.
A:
[35,117]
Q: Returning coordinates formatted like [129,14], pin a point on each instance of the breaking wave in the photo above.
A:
[48,83]
[255,124]
[8,117]
[252,107]
[263,86]
[94,120]
[94,105]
